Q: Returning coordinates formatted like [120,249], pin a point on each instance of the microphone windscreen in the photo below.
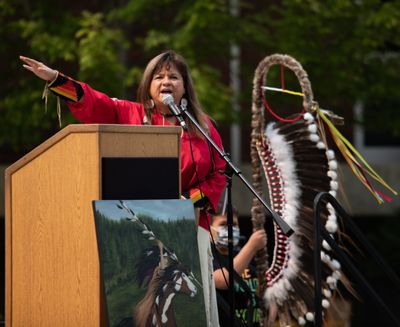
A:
[168,99]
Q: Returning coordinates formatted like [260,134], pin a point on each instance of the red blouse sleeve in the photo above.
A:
[98,108]
[93,107]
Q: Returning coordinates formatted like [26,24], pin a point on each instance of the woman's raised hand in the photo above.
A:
[39,69]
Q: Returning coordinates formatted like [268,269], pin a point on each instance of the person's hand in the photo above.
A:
[258,240]
[39,69]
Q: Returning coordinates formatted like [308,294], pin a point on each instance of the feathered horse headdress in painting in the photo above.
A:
[293,156]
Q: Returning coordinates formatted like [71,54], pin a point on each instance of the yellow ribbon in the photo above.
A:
[347,149]
[283,91]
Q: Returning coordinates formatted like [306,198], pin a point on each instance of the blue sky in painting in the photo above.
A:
[158,209]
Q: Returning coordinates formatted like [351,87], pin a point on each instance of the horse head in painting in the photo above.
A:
[165,278]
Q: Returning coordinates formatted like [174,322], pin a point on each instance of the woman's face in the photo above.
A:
[166,81]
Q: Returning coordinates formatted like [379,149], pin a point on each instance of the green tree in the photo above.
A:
[81,45]
[349,49]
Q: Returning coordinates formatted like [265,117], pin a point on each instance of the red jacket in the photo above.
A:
[98,108]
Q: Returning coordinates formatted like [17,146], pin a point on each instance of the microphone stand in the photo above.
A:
[230,170]
[229,221]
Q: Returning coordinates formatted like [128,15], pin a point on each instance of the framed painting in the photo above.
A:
[149,262]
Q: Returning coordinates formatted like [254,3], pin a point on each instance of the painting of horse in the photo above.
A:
[165,282]
[149,263]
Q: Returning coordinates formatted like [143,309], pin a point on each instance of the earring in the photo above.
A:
[150,104]
[183,103]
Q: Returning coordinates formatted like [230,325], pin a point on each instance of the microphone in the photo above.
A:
[169,101]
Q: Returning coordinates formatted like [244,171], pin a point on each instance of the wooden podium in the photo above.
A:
[52,263]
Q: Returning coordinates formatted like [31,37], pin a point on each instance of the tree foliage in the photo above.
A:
[349,48]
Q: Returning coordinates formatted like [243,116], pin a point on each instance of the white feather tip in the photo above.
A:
[301,321]
[314,138]
[331,226]
[310,316]
[309,117]
[330,154]
[312,128]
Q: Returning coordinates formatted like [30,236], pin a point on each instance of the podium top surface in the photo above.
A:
[119,128]
[91,128]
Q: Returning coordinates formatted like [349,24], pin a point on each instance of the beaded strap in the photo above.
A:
[66,88]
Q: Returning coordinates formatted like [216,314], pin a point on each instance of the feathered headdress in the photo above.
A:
[293,156]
